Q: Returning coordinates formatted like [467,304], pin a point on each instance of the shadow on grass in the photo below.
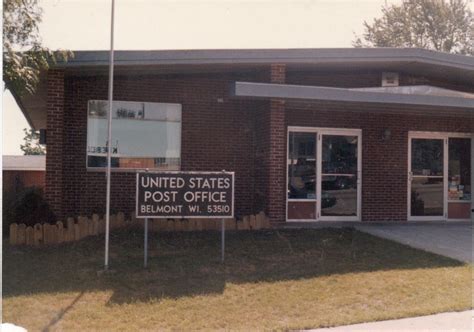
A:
[59,316]
[187,264]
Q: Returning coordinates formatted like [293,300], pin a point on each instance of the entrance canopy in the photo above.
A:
[423,95]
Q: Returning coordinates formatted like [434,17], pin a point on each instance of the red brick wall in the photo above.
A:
[15,180]
[277,150]
[270,152]
[55,129]
[245,136]
[360,79]
[335,79]
[215,136]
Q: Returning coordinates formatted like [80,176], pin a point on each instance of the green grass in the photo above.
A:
[292,279]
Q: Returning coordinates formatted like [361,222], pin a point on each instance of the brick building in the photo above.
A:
[21,172]
[312,134]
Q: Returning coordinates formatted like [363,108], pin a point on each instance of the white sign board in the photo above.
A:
[139,129]
[185,195]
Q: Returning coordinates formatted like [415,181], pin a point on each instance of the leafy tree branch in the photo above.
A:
[23,55]
[441,25]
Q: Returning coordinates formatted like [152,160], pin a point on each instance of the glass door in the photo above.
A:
[426,178]
[323,174]
[339,179]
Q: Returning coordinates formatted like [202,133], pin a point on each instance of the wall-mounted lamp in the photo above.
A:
[386,134]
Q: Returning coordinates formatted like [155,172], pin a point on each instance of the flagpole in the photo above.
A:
[109,137]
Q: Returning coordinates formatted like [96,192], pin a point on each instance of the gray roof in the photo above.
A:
[24,163]
[257,56]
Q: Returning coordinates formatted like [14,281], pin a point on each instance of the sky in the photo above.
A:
[192,24]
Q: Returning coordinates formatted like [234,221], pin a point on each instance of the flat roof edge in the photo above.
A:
[260,56]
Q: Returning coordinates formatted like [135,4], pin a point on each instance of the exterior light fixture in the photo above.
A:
[387,133]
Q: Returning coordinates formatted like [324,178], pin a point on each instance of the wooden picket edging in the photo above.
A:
[81,227]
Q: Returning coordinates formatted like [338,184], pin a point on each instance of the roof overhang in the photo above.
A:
[456,69]
[326,94]
[262,56]
[453,67]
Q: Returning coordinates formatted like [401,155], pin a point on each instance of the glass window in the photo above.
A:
[144,135]
[302,166]
[339,175]
[459,169]
[427,197]
[339,154]
[427,157]
[339,195]
[427,190]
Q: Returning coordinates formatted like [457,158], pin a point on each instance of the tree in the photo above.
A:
[23,55]
[441,25]
[32,146]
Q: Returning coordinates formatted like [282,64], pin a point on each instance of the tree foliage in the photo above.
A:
[23,55]
[32,146]
[441,25]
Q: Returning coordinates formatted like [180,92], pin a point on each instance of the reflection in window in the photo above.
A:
[339,175]
[459,185]
[302,166]
[144,135]
[427,157]
[427,197]
[339,196]
[339,154]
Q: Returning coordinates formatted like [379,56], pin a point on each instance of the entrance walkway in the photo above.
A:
[451,240]
[450,321]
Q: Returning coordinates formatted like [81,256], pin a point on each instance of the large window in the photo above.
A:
[459,169]
[144,135]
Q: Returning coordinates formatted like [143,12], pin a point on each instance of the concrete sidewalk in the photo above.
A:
[451,240]
[451,321]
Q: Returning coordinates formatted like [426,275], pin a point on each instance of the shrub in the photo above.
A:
[26,206]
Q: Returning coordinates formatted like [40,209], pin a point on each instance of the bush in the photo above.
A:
[26,206]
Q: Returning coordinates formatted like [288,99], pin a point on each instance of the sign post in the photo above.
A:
[222,240]
[145,245]
[185,195]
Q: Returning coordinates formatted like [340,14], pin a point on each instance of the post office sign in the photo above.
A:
[185,195]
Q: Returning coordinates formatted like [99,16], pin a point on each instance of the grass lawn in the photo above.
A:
[291,279]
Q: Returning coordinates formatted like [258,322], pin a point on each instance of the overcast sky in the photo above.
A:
[179,24]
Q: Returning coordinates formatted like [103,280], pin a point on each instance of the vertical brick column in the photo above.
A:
[55,140]
[276,183]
